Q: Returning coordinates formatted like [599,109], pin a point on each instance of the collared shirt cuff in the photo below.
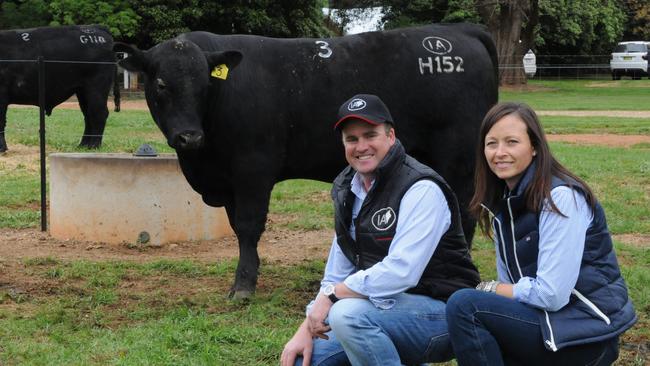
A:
[309,306]
[355,283]
[521,290]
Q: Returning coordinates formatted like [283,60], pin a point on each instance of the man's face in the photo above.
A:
[366,145]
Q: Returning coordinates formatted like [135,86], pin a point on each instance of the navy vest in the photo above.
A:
[449,269]
[599,307]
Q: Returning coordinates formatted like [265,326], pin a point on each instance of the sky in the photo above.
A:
[368,22]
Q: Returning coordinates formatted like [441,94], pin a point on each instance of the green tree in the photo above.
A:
[585,27]
[507,20]
[164,19]
[637,26]
[18,14]
[280,18]
[117,15]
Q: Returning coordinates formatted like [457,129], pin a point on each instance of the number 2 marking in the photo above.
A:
[25,36]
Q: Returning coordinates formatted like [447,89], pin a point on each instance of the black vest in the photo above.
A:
[449,269]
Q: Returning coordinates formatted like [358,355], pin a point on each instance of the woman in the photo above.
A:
[559,298]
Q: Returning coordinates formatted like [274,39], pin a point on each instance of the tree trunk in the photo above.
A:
[505,19]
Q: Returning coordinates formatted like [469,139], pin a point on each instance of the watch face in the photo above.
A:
[329,290]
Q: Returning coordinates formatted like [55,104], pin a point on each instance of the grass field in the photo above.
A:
[583,94]
[174,312]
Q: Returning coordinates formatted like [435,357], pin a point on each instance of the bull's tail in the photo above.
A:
[116,90]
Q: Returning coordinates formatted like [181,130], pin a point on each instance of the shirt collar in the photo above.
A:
[356,186]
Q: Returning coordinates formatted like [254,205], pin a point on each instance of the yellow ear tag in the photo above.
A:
[220,72]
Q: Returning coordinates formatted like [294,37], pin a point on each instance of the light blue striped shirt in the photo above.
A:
[561,244]
[424,217]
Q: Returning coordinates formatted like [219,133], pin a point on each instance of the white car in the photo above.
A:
[630,58]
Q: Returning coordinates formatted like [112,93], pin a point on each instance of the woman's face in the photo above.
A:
[508,149]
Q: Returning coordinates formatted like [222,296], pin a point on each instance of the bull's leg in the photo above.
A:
[248,219]
[463,186]
[93,106]
[3,124]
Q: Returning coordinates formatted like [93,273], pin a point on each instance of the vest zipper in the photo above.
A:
[592,306]
[551,342]
[503,247]
[514,241]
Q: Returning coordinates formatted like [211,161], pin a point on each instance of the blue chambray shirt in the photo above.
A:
[561,244]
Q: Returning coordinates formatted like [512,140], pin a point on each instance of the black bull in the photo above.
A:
[66,51]
[244,112]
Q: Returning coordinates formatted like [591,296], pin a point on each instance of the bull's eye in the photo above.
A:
[161,84]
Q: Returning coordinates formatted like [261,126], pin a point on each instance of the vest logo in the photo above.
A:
[383,219]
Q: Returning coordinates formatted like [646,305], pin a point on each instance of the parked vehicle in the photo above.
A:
[630,58]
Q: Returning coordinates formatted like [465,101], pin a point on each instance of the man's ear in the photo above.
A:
[136,59]
[228,58]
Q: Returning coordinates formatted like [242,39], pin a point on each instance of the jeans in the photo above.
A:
[411,332]
[490,329]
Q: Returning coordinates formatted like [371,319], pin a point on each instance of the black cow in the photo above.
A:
[244,112]
[63,48]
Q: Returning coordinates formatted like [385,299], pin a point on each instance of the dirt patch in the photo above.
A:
[609,84]
[20,156]
[129,104]
[602,139]
[627,114]
[637,240]
[277,245]
[524,88]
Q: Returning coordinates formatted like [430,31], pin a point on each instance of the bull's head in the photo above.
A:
[177,79]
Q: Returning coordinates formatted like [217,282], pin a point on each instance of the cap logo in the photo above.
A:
[356,104]
[383,219]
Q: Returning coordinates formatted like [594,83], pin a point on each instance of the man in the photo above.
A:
[398,254]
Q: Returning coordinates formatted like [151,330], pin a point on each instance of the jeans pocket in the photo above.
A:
[439,349]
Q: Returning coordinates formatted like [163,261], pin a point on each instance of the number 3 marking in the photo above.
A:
[325,47]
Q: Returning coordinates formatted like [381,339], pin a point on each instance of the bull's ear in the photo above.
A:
[135,61]
[229,58]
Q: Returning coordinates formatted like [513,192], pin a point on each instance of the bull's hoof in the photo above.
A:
[241,294]
[2,151]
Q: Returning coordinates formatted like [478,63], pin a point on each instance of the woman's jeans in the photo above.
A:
[489,329]
[413,331]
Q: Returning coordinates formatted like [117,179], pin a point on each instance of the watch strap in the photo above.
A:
[333,298]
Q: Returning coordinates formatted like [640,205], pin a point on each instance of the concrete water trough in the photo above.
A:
[117,198]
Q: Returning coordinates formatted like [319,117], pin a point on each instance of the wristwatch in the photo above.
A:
[330,292]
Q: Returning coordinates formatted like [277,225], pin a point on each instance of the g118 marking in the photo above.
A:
[89,38]
[443,64]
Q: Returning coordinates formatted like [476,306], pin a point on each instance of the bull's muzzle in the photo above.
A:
[188,140]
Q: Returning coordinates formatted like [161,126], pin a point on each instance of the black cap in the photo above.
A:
[365,107]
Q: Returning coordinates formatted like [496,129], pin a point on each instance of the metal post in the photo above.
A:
[41,105]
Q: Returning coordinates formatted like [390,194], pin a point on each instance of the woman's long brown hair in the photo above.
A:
[490,188]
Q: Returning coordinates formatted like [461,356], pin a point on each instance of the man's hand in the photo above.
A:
[317,316]
[300,344]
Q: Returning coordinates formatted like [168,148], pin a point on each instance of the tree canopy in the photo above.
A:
[567,27]
[147,22]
